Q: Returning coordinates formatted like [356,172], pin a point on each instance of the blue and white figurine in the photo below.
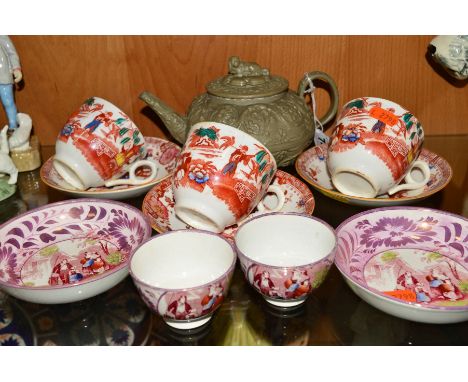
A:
[10,73]
[24,149]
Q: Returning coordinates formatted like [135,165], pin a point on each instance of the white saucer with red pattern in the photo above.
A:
[158,204]
[311,166]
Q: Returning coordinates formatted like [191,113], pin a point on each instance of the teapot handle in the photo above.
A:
[304,84]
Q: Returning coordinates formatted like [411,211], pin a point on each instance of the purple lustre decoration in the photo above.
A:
[68,243]
[409,254]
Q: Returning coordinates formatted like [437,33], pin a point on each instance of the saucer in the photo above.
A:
[158,204]
[69,251]
[311,165]
[163,152]
[410,262]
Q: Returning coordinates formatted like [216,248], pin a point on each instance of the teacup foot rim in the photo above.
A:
[188,324]
[285,303]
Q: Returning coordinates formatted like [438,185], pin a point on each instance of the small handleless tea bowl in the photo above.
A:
[285,256]
[184,275]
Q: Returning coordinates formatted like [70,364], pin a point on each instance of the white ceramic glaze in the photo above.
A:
[68,295]
[374,145]
[358,173]
[99,143]
[415,180]
[285,265]
[407,312]
[311,166]
[183,275]
[6,163]
[158,204]
[161,151]
[221,175]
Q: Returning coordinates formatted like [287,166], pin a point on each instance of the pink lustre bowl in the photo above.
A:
[285,264]
[409,262]
[69,251]
[184,275]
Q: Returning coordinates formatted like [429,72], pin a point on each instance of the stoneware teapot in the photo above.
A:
[252,100]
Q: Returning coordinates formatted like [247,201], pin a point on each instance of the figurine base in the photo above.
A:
[29,159]
[6,190]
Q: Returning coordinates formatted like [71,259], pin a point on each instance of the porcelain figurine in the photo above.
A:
[24,152]
[251,99]
[10,73]
[6,164]
[452,53]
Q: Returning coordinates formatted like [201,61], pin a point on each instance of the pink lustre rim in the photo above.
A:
[328,226]
[178,232]
[93,202]
[419,246]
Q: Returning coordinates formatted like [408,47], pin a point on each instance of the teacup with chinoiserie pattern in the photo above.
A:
[375,145]
[222,174]
[98,145]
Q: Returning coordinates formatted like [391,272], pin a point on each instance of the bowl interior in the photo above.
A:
[411,255]
[182,259]
[265,240]
[68,243]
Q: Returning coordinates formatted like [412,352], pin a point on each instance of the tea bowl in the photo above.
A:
[285,256]
[184,275]
[69,251]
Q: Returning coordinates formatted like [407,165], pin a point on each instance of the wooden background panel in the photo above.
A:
[396,68]
[62,71]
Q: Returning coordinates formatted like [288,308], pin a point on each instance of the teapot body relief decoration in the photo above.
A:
[252,100]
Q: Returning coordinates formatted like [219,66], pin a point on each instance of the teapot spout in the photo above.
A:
[175,123]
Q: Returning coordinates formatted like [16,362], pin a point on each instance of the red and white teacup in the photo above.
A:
[221,176]
[98,145]
[374,147]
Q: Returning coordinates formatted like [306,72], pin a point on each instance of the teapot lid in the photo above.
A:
[247,80]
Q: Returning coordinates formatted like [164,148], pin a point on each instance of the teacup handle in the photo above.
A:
[132,178]
[411,184]
[261,207]
[279,194]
